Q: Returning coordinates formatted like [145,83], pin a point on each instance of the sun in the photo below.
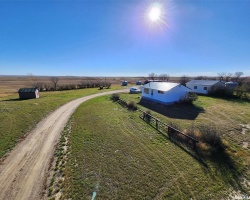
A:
[157,14]
[154,13]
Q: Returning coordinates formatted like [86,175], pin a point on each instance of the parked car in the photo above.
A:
[134,90]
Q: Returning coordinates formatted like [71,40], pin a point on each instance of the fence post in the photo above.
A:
[156,123]
[169,130]
[194,144]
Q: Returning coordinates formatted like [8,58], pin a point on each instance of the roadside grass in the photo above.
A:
[18,117]
[112,152]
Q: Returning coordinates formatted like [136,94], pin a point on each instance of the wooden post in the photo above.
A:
[156,123]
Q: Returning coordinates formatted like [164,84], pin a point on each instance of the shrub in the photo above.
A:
[219,91]
[174,125]
[243,91]
[191,131]
[189,98]
[132,105]
[172,133]
[115,97]
[108,85]
[210,135]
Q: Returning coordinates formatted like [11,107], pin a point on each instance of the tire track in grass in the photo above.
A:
[161,156]
[178,160]
[127,147]
[149,149]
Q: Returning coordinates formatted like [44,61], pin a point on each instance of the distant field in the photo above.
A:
[113,154]
[9,85]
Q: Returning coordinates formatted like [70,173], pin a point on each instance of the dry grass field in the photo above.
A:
[9,85]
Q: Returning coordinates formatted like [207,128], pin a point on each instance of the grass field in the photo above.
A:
[18,117]
[110,152]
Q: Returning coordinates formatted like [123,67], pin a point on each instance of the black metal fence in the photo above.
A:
[173,134]
[168,130]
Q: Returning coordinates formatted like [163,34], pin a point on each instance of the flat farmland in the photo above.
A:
[9,85]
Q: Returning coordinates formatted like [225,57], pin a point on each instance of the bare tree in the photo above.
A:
[183,80]
[224,76]
[164,77]
[152,76]
[54,80]
[201,78]
[32,80]
[39,86]
[237,77]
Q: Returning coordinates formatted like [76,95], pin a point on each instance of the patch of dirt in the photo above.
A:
[245,145]
[245,128]
[24,171]
[55,180]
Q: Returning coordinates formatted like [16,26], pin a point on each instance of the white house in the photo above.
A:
[203,86]
[164,92]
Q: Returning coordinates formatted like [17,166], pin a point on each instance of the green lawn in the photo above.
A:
[112,152]
[17,117]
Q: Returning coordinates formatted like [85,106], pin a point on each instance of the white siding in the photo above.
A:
[199,88]
[168,97]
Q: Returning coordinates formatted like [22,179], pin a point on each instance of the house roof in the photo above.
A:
[163,86]
[231,83]
[26,90]
[203,82]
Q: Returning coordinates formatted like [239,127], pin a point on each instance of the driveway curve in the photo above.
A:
[23,173]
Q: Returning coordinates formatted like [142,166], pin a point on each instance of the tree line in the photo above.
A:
[53,84]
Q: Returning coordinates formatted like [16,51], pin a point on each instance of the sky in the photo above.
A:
[117,37]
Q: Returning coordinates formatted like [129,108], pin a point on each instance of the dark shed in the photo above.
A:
[28,93]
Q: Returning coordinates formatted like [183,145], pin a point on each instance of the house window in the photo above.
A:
[146,90]
[160,92]
[195,87]
[205,88]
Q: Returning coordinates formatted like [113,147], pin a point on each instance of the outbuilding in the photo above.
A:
[164,92]
[28,93]
[203,86]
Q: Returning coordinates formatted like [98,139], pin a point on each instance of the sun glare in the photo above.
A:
[157,14]
[154,13]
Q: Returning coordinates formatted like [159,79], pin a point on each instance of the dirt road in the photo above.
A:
[24,171]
